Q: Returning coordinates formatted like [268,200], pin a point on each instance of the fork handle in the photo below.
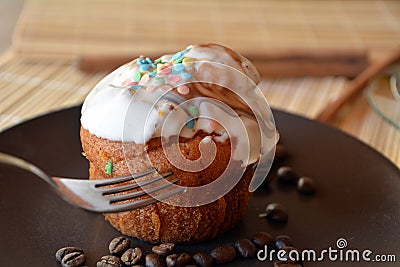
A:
[23,164]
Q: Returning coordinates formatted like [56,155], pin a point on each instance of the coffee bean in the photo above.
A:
[154,260]
[109,261]
[280,152]
[306,185]
[203,259]
[276,213]
[118,245]
[283,241]
[178,260]
[132,256]
[286,264]
[73,259]
[246,248]
[223,254]
[64,251]
[286,174]
[262,239]
[164,249]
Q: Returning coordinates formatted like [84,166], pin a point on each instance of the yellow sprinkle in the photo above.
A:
[187,61]
[159,65]
[160,113]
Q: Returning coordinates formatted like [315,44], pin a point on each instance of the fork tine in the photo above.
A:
[145,202]
[139,193]
[120,179]
[112,190]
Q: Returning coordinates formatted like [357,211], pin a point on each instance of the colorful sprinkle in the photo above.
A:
[186,50]
[186,75]
[177,55]
[193,111]
[150,88]
[214,125]
[109,167]
[145,78]
[161,113]
[157,61]
[144,67]
[148,60]
[134,87]
[153,73]
[178,67]
[159,80]
[187,61]
[190,123]
[141,61]
[165,71]
[137,76]
[165,87]
[183,90]
[133,83]
[175,78]
[179,60]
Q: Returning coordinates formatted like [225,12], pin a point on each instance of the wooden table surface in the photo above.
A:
[39,73]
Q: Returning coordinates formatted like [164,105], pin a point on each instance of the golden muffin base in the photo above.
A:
[161,222]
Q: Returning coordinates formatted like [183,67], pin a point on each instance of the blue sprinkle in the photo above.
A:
[190,123]
[152,74]
[179,67]
[141,61]
[148,60]
[177,55]
[144,67]
[134,87]
[153,65]
[186,75]
[186,50]
[174,71]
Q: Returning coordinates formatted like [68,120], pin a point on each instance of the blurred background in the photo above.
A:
[308,52]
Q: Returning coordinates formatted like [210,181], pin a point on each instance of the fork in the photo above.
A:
[94,195]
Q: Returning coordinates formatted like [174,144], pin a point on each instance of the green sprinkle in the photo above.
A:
[160,80]
[109,167]
[157,61]
[179,60]
[193,111]
[137,77]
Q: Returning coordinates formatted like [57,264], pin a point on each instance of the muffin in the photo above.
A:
[164,114]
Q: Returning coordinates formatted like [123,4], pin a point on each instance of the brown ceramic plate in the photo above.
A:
[358,196]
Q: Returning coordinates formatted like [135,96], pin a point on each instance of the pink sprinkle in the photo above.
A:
[126,82]
[166,71]
[214,125]
[150,88]
[145,78]
[132,83]
[183,90]
[165,87]
[175,78]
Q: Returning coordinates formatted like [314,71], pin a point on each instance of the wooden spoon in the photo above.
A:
[357,85]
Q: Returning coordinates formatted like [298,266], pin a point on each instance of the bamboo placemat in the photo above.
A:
[70,27]
[39,74]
